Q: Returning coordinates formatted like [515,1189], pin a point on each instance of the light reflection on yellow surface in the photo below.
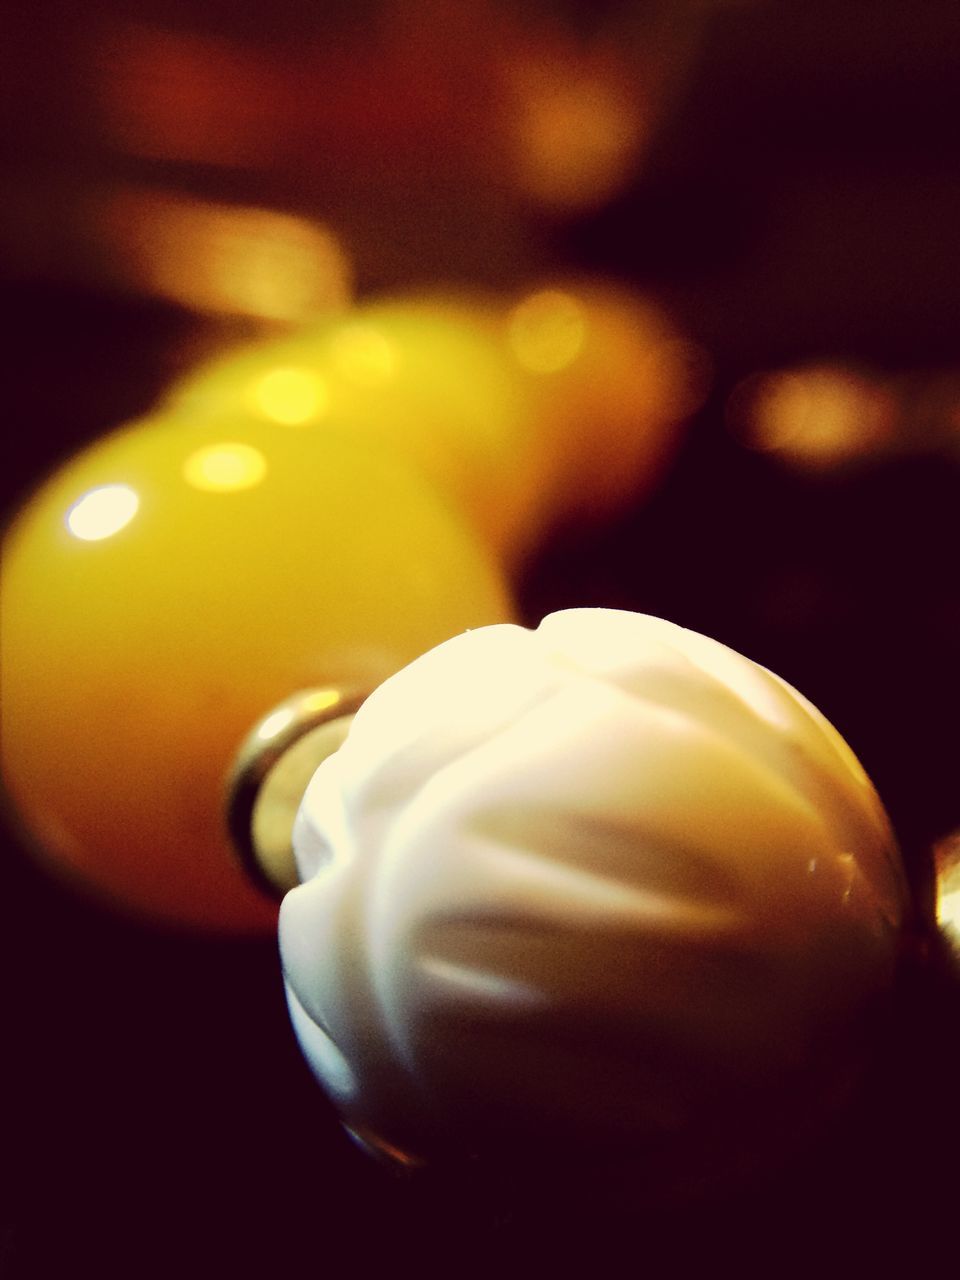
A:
[102,512]
[562,402]
[150,659]
[364,355]
[291,396]
[815,417]
[225,468]
[228,259]
[546,331]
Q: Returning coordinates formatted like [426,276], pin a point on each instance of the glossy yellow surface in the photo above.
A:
[560,403]
[428,381]
[167,588]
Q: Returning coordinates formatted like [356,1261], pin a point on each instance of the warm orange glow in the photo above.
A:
[814,417]
[230,259]
[225,468]
[291,396]
[546,331]
[192,98]
[577,128]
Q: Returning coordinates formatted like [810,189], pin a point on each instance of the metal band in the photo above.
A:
[270,773]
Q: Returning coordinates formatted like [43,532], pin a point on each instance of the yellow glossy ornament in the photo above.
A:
[166,588]
[428,378]
[565,403]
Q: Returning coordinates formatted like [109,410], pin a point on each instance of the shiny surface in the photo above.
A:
[605,883]
[257,561]
[427,380]
[564,402]
[270,775]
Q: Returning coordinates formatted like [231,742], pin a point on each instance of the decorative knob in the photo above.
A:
[606,886]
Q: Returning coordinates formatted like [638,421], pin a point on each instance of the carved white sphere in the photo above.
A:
[606,885]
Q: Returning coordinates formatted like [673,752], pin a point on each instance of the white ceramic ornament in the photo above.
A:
[603,887]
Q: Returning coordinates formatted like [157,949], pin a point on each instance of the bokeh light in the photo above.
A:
[224,259]
[577,125]
[816,417]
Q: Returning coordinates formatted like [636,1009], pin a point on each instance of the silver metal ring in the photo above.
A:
[270,773]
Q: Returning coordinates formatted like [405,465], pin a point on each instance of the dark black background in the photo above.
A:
[802,201]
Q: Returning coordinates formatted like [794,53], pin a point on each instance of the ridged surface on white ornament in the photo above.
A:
[597,880]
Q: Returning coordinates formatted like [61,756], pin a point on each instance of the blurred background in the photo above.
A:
[782,179]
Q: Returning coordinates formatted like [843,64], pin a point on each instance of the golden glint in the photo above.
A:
[225,468]
[322,700]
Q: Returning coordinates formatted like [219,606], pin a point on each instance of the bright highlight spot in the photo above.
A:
[102,512]
[577,129]
[275,724]
[546,331]
[321,700]
[363,355]
[225,468]
[291,396]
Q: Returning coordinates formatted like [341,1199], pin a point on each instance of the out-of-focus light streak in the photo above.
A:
[815,418]
[226,259]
